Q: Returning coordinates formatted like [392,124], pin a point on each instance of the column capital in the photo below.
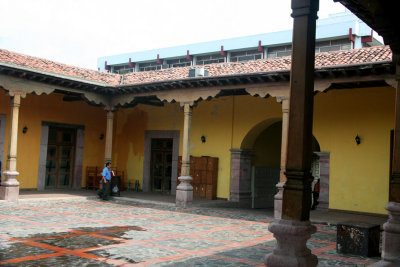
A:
[304,8]
[17,93]
[110,115]
[110,108]
[283,98]
[190,103]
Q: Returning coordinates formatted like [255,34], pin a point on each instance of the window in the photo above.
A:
[209,59]
[279,51]
[246,55]
[333,45]
[150,66]
[180,62]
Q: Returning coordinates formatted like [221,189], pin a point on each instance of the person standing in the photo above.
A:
[315,195]
[106,181]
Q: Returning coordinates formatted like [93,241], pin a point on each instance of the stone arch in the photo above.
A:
[241,168]
[252,135]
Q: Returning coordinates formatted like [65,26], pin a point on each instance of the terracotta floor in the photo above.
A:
[76,229]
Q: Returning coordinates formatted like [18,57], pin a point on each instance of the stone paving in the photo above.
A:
[125,233]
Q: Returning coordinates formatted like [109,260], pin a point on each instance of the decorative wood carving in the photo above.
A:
[187,95]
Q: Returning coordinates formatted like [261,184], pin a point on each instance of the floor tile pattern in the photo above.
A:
[121,233]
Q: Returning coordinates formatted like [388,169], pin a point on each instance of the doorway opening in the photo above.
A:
[161,165]
[60,158]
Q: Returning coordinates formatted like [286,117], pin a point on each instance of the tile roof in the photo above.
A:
[322,60]
[325,59]
[41,64]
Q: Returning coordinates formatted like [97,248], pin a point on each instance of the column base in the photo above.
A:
[242,199]
[184,192]
[291,250]
[391,237]
[9,189]
[278,201]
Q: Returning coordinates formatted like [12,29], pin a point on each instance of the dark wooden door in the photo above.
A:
[161,165]
[60,157]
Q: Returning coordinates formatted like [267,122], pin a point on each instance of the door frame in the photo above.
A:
[160,134]
[164,152]
[79,145]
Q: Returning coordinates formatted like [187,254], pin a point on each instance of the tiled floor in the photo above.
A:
[122,233]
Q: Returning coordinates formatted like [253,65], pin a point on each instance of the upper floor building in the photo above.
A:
[339,31]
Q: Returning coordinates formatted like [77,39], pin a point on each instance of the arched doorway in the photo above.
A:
[266,166]
[256,165]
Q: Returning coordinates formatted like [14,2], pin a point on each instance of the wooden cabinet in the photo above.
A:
[204,171]
[93,177]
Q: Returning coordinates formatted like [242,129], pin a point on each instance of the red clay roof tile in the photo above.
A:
[326,59]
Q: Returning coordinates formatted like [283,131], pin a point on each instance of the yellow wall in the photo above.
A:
[224,121]
[359,174]
[33,110]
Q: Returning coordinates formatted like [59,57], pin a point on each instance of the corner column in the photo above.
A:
[282,178]
[9,189]
[294,228]
[391,235]
[109,135]
[184,191]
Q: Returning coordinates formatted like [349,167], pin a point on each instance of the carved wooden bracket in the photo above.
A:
[97,99]
[122,99]
[13,84]
[269,89]
[187,95]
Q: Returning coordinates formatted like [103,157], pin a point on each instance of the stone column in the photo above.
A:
[9,189]
[184,191]
[293,230]
[282,179]
[391,235]
[109,135]
[241,177]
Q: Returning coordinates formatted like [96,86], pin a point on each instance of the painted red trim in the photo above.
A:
[260,48]
[223,53]
[132,65]
[188,56]
[367,39]
[351,36]
[159,61]
[106,66]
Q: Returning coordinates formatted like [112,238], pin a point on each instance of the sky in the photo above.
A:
[77,32]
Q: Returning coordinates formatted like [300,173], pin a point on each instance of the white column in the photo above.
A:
[9,189]
[285,125]
[109,135]
[184,191]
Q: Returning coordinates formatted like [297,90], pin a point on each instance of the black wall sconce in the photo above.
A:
[24,130]
[101,136]
[203,139]
[358,139]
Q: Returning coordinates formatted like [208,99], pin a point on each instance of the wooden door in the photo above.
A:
[60,158]
[161,165]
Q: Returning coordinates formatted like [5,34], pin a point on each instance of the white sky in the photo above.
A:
[77,32]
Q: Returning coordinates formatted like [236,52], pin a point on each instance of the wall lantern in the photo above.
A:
[203,139]
[24,130]
[101,136]
[358,139]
